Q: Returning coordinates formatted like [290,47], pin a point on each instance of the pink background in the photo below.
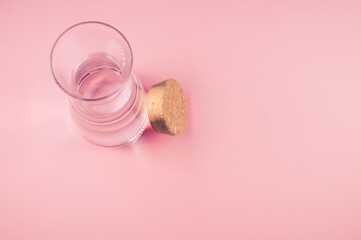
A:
[272,145]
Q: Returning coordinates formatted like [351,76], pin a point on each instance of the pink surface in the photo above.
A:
[272,145]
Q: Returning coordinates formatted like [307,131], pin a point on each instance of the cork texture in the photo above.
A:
[166,106]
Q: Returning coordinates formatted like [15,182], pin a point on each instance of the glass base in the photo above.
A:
[120,129]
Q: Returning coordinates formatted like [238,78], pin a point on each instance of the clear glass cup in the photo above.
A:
[92,63]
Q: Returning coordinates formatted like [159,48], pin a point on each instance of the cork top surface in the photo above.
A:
[166,106]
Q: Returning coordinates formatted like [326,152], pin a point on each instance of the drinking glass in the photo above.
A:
[92,63]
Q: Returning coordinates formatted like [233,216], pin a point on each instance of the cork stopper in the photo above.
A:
[166,106]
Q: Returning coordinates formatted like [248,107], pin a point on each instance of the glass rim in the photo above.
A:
[77,25]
